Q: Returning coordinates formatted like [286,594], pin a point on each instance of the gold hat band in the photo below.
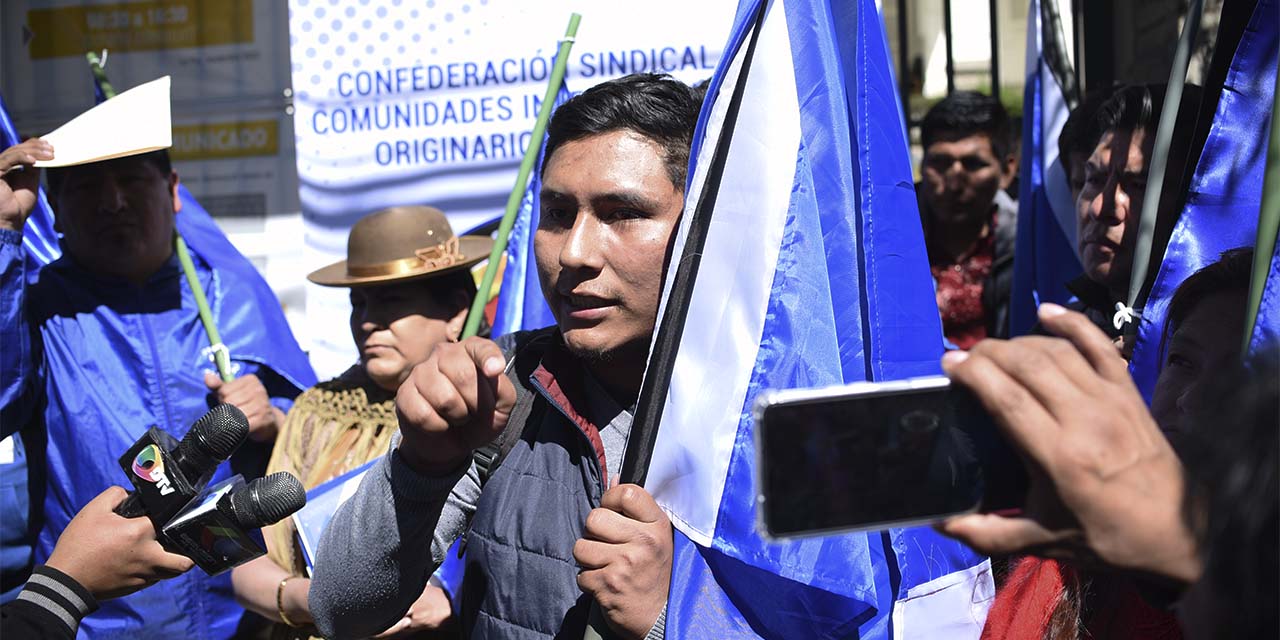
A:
[445,254]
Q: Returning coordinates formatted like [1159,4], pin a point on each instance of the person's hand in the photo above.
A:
[20,181]
[1105,484]
[110,555]
[458,400]
[431,612]
[625,555]
[248,395]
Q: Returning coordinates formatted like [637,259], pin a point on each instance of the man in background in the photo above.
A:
[107,342]
[970,222]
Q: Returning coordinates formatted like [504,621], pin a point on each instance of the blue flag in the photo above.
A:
[1045,254]
[521,306]
[1266,328]
[1225,195]
[811,270]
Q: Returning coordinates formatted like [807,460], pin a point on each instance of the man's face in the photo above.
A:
[395,326]
[1115,178]
[608,210]
[961,178]
[116,217]
[1205,345]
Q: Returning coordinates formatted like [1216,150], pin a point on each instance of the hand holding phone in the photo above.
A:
[1106,484]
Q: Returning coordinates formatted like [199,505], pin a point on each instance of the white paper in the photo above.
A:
[136,121]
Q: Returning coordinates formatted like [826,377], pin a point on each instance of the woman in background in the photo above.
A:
[411,287]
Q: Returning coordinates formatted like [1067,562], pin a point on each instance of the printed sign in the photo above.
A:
[432,103]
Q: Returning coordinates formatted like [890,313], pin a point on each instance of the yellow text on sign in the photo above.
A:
[139,26]
[212,141]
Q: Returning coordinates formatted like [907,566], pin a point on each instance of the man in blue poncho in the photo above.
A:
[106,341]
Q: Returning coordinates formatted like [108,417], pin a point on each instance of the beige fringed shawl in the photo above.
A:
[332,428]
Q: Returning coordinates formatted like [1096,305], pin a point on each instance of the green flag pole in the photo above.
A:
[221,357]
[1268,223]
[522,179]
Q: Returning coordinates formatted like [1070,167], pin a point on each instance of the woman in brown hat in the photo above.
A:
[411,286]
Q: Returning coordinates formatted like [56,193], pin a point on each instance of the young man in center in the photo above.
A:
[547,531]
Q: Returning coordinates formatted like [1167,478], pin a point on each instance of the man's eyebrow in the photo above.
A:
[552,194]
[630,199]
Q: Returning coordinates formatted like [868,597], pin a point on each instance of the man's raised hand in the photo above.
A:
[19,181]
[458,400]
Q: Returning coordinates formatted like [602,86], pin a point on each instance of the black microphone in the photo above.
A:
[167,474]
[267,500]
[216,531]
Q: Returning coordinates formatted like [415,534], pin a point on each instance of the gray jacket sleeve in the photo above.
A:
[375,558]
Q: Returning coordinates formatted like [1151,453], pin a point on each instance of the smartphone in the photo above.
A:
[873,455]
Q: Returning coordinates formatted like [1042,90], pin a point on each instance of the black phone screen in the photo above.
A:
[880,459]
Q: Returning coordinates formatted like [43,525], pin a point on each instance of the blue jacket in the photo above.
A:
[98,361]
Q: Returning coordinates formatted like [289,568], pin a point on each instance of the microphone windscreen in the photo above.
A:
[267,500]
[214,437]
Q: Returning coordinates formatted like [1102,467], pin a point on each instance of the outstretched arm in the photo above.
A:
[19,183]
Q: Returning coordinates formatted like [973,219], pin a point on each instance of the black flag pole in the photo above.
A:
[657,379]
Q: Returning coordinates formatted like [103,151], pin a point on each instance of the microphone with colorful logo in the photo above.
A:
[219,529]
[167,474]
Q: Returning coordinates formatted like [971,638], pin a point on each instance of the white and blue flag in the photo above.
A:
[1044,257]
[799,261]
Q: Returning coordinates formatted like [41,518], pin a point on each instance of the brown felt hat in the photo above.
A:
[402,243]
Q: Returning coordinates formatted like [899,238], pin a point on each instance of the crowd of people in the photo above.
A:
[1140,521]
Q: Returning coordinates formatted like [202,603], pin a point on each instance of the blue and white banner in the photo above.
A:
[811,270]
[1045,257]
[1225,196]
[433,103]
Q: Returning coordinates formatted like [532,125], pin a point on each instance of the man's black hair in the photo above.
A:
[966,113]
[1080,132]
[1232,272]
[55,176]
[1233,496]
[657,107]
[1131,108]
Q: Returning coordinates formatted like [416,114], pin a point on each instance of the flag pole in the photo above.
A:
[221,356]
[1127,311]
[1268,224]
[522,178]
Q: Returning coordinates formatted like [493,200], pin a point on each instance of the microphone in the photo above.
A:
[267,500]
[217,530]
[167,474]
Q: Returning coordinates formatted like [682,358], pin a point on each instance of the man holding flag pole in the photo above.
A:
[554,404]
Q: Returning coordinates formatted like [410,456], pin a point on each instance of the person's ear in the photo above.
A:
[173,191]
[1009,170]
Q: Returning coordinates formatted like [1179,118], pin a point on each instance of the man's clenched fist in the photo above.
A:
[625,555]
[458,400]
